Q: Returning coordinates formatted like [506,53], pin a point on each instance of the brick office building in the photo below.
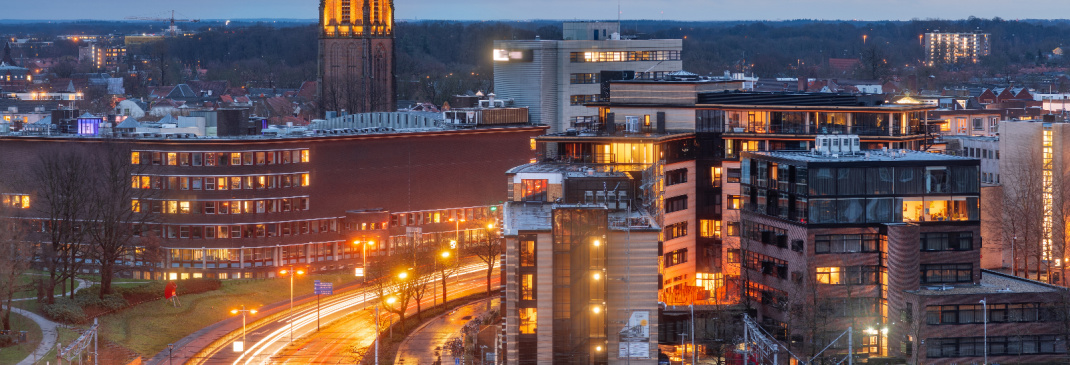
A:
[241,206]
[881,242]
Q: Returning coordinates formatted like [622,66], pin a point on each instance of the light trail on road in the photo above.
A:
[275,337]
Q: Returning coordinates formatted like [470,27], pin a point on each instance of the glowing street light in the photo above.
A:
[292,273]
[243,311]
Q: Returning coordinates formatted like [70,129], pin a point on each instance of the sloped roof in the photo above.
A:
[182,91]
[128,123]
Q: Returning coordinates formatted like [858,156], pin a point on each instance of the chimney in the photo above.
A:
[803,84]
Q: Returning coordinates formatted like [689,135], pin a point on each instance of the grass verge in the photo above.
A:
[14,354]
[147,328]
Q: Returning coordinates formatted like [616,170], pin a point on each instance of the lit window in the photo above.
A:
[135,158]
[172,159]
[828,275]
[183,207]
[527,287]
[534,190]
[528,321]
[304,180]
[709,228]
[304,155]
[235,158]
[135,206]
[172,207]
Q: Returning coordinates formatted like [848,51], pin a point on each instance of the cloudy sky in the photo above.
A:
[559,9]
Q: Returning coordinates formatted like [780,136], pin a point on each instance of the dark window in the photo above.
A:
[674,177]
[734,175]
[675,230]
[591,78]
[676,257]
[847,243]
[951,273]
[947,241]
[675,204]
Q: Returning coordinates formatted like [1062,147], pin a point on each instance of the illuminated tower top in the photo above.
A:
[357,18]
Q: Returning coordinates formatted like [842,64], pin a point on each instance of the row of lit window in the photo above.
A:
[224,207]
[622,56]
[443,216]
[16,201]
[248,230]
[219,158]
[248,182]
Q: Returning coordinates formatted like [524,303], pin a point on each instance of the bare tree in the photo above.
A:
[61,181]
[488,249]
[15,258]
[116,217]
[1023,209]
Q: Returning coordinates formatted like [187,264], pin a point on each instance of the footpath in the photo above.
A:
[430,343]
[49,332]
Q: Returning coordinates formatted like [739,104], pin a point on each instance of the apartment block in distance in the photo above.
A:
[555,78]
[580,269]
[944,47]
[886,244]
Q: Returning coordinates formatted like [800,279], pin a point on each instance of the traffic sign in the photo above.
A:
[324,288]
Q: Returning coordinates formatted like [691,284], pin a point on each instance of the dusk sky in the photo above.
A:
[559,9]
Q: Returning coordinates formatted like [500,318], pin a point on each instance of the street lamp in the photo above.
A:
[170,349]
[434,301]
[984,309]
[292,273]
[482,354]
[243,311]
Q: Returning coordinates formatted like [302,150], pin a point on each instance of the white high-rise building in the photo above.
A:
[555,78]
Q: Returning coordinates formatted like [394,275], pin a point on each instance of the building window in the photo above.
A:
[583,99]
[135,158]
[734,202]
[709,228]
[847,243]
[734,175]
[828,275]
[527,251]
[732,256]
[947,241]
[588,78]
[675,230]
[715,177]
[733,229]
[676,257]
[17,201]
[534,190]
[527,287]
[135,206]
[950,273]
[676,204]
[528,321]
[674,177]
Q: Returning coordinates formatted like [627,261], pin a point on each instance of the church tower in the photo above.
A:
[356,56]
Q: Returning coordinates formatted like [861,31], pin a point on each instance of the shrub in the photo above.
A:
[9,339]
[64,310]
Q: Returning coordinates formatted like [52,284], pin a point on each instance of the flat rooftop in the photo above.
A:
[527,216]
[861,156]
[576,170]
[799,100]
[991,283]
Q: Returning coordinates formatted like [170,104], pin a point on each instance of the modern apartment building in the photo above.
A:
[240,206]
[887,244]
[945,47]
[556,78]
[580,268]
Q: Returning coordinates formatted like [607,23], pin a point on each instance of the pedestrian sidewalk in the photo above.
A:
[49,334]
[428,343]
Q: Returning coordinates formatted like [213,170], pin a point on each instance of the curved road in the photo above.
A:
[269,344]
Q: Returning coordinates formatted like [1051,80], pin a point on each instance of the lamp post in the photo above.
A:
[243,311]
[482,354]
[984,309]
[364,256]
[445,256]
[170,349]
[291,272]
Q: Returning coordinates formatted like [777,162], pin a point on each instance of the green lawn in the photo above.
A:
[14,354]
[31,292]
[149,327]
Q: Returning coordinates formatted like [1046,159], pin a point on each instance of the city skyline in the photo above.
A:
[683,10]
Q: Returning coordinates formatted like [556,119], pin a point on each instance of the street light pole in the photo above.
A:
[243,311]
[292,273]
[170,350]
[984,308]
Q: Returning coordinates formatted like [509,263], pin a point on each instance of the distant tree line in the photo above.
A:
[436,59]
